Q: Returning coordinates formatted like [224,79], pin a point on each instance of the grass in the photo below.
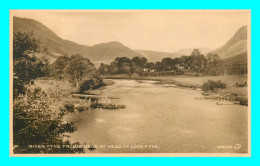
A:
[58,92]
[230,82]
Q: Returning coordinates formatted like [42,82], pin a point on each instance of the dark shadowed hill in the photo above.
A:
[57,46]
[235,46]
[237,64]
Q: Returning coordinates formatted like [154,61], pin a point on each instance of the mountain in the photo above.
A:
[238,60]
[110,51]
[153,56]
[235,46]
[188,51]
[57,46]
[237,63]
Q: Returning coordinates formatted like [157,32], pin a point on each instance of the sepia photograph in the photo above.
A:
[130,83]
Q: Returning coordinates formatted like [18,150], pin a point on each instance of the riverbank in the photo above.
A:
[241,93]
[59,94]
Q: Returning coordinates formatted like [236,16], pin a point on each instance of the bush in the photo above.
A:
[242,101]
[35,124]
[213,85]
[90,84]
[26,67]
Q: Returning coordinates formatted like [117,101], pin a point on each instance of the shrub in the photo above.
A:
[90,84]
[213,85]
[242,101]
[34,123]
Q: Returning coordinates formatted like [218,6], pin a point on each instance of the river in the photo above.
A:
[161,119]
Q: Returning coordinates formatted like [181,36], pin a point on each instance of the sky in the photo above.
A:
[156,30]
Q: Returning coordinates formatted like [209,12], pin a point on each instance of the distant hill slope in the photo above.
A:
[57,46]
[236,64]
[188,51]
[235,46]
[110,51]
[238,60]
[154,56]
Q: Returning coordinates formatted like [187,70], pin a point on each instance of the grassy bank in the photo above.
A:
[60,92]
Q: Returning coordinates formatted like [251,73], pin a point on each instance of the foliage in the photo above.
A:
[58,68]
[29,68]
[198,63]
[24,44]
[18,87]
[26,66]
[242,101]
[73,68]
[78,70]
[91,84]
[35,124]
[76,67]
[213,85]
[123,65]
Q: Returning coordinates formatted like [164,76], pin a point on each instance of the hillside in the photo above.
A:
[110,51]
[235,46]
[154,56]
[57,46]
[237,64]
[188,51]
[107,52]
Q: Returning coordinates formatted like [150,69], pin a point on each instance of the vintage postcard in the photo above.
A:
[130,83]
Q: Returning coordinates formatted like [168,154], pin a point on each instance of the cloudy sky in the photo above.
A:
[163,30]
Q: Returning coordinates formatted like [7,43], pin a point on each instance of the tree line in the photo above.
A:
[196,62]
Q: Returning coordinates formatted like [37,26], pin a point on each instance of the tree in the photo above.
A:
[35,124]
[26,66]
[120,60]
[123,65]
[27,69]
[58,68]
[166,64]
[139,61]
[213,60]
[186,61]
[114,69]
[158,66]
[149,65]
[76,67]
[138,64]
[24,44]
[92,83]
[104,68]
[198,63]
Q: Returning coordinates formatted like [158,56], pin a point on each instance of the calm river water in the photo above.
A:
[163,119]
